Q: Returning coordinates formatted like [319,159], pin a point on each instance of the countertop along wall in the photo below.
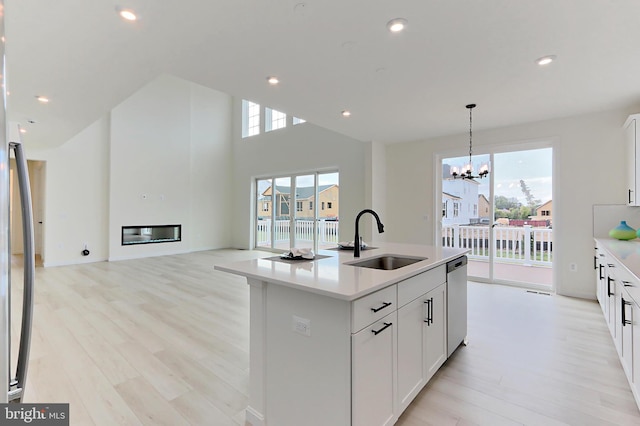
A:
[589,169]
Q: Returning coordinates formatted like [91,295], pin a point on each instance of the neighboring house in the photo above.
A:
[484,208]
[459,201]
[544,212]
[450,207]
[328,206]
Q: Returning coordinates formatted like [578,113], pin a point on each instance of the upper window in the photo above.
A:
[274,119]
[250,118]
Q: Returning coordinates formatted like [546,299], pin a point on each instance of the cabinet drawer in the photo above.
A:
[420,284]
[372,307]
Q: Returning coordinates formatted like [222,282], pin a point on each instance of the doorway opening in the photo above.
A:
[505,219]
[300,211]
[36,182]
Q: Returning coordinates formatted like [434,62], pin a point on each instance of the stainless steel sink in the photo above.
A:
[387,262]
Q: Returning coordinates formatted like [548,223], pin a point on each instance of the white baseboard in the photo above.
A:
[253,417]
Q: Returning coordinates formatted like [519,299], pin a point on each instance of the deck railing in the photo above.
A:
[525,245]
[327,231]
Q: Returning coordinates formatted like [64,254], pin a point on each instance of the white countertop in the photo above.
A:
[334,277]
[628,254]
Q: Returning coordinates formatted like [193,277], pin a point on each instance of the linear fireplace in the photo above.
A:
[150,234]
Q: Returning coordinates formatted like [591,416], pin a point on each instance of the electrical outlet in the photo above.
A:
[302,325]
[573,267]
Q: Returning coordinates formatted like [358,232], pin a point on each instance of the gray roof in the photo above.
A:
[303,192]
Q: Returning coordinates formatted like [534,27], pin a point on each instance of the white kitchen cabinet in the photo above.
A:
[373,373]
[626,333]
[411,351]
[422,331]
[610,309]
[324,336]
[599,265]
[632,141]
[620,289]
[436,331]
[634,379]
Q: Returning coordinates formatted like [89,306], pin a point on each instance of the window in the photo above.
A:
[328,204]
[545,213]
[297,120]
[274,119]
[310,205]
[456,209]
[323,205]
[250,118]
[265,207]
[475,210]
[298,206]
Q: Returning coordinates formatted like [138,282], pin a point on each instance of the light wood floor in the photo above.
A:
[164,341]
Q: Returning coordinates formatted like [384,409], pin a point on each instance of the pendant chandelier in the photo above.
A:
[467,169]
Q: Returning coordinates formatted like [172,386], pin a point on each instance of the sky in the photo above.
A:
[532,166]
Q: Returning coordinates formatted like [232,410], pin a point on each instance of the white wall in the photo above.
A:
[590,169]
[171,141]
[76,200]
[300,148]
[170,155]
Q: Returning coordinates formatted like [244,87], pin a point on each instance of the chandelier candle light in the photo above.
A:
[467,169]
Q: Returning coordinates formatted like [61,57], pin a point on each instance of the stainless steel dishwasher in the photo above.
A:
[456,303]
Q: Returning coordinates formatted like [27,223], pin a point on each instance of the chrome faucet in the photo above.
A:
[356,240]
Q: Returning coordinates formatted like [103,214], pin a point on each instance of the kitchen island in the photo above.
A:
[332,343]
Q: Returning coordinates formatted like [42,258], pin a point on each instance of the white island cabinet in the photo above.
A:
[336,344]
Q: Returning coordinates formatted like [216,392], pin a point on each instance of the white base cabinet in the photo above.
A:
[422,333]
[321,361]
[621,311]
[373,372]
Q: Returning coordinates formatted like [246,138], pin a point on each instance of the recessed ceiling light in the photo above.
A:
[546,60]
[273,80]
[396,25]
[346,113]
[42,99]
[127,14]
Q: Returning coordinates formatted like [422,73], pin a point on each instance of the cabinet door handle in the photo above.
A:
[429,316]
[601,268]
[609,279]
[431,311]
[595,262]
[623,303]
[386,325]
[384,305]
[630,191]
[627,284]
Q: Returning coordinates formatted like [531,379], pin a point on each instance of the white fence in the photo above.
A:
[525,245]
[327,231]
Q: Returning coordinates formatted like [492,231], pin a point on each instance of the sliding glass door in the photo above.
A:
[299,211]
[505,219]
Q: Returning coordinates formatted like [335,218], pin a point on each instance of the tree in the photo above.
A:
[531,201]
[504,203]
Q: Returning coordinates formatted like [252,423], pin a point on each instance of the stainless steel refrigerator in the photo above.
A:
[10,144]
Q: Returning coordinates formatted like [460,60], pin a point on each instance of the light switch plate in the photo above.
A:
[301,325]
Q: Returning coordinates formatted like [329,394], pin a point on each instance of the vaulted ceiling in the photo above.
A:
[330,55]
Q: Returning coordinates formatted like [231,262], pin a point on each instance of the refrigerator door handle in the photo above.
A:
[17,385]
